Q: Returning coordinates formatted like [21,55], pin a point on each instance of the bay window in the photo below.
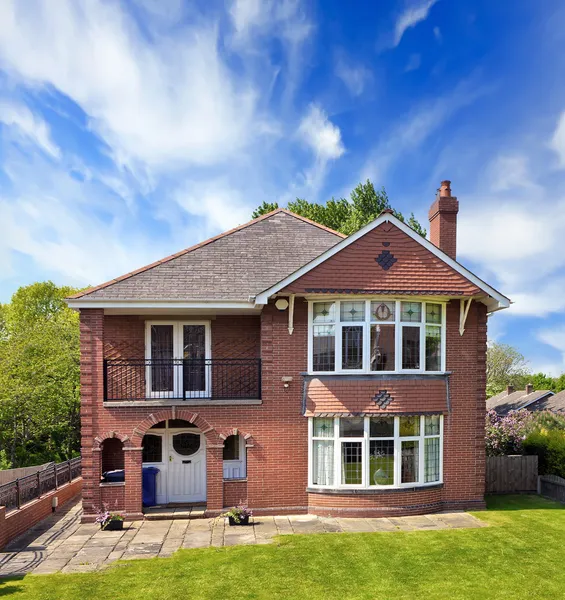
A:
[371,336]
[375,452]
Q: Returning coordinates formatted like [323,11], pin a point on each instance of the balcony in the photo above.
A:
[218,379]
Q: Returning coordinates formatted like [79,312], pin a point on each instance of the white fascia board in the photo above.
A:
[150,304]
[500,300]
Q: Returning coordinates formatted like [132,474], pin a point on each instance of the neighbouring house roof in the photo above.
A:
[503,403]
[232,266]
[555,403]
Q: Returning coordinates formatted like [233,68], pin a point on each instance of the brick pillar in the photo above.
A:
[133,493]
[91,392]
[3,527]
[214,477]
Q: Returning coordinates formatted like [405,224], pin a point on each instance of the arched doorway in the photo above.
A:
[178,449]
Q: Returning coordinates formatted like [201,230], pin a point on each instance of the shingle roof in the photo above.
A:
[232,266]
[555,403]
[503,403]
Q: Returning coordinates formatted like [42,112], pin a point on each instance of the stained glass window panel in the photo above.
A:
[352,311]
[323,462]
[383,344]
[352,347]
[324,312]
[351,463]
[410,347]
[152,448]
[381,462]
[323,348]
[433,313]
[431,459]
[323,428]
[409,426]
[411,312]
[433,348]
[352,427]
[383,311]
[381,427]
[410,462]
[431,426]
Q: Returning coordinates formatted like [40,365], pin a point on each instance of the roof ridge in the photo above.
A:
[197,246]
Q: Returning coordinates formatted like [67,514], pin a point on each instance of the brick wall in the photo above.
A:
[235,492]
[19,521]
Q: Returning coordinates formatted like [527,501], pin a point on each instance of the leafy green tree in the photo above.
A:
[505,366]
[4,462]
[347,216]
[39,376]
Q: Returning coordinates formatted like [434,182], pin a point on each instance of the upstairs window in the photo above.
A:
[368,336]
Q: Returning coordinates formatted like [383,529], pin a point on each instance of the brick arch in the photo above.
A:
[97,445]
[212,437]
[225,433]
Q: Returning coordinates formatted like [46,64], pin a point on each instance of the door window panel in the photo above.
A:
[186,444]
[194,354]
[162,352]
[152,448]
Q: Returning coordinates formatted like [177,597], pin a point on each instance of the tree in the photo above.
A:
[505,366]
[346,216]
[39,376]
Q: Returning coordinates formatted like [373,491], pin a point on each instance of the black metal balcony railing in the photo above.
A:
[178,379]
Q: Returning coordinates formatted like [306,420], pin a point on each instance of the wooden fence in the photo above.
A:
[511,474]
[9,475]
[552,486]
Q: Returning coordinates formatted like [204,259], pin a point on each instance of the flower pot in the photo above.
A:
[242,521]
[114,525]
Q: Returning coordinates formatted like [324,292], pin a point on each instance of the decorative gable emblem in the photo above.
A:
[383,399]
[386,259]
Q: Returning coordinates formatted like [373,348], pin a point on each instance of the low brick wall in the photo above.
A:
[19,521]
[234,491]
[113,494]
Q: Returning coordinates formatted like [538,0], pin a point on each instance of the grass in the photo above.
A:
[519,556]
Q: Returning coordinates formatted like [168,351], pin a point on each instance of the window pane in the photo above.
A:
[409,426]
[383,311]
[351,463]
[186,444]
[323,348]
[431,425]
[323,462]
[351,427]
[410,462]
[382,347]
[433,313]
[381,427]
[162,376]
[231,448]
[194,351]
[410,347]
[152,448]
[411,312]
[431,460]
[352,347]
[433,348]
[381,462]
[323,428]
[324,312]
[352,311]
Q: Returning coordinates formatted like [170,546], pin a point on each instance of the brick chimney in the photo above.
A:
[509,390]
[529,388]
[443,220]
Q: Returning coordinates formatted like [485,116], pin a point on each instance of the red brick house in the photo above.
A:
[293,367]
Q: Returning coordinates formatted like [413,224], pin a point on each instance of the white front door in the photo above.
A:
[186,472]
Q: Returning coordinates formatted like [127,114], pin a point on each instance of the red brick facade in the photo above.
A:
[276,430]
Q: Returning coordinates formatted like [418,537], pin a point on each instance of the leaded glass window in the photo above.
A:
[352,463]
[323,351]
[352,311]
[383,311]
[410,461]
[352,347]
[411,312]
[324,312]
[383,344]
[381,462]
[410,347]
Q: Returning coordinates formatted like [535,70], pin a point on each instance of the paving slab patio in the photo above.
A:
[61,543]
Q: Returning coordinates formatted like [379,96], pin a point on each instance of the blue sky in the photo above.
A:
[131,130]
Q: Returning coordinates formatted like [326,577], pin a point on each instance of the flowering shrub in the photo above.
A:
[239,512]
[506,435]
[104,516]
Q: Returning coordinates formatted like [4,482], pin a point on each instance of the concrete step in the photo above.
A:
[159,513]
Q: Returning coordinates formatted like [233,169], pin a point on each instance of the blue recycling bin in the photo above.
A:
[149,486]
[114,476]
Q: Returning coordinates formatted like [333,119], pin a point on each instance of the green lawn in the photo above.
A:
[521,555]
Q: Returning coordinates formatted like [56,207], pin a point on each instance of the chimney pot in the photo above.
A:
[509,390]
[445,189]
[529,388]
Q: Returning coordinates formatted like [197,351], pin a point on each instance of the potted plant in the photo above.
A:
[109,521]
[238,515]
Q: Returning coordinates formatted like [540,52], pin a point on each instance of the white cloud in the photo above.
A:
[410,18]
[555,337]
[437,34]
[414,63]
[29,125]
[508,172]
[318,132]
[355,77]
[557,142]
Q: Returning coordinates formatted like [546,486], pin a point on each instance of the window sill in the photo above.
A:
[377,376]
[112,483]
[236,480]
[187,402]
[369,492]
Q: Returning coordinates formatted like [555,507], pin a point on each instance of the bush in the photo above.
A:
[505,435]
[549,445]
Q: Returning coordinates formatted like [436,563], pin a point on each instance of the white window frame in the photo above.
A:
[177,355]
[241,463]
[365,440]
[366,324]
